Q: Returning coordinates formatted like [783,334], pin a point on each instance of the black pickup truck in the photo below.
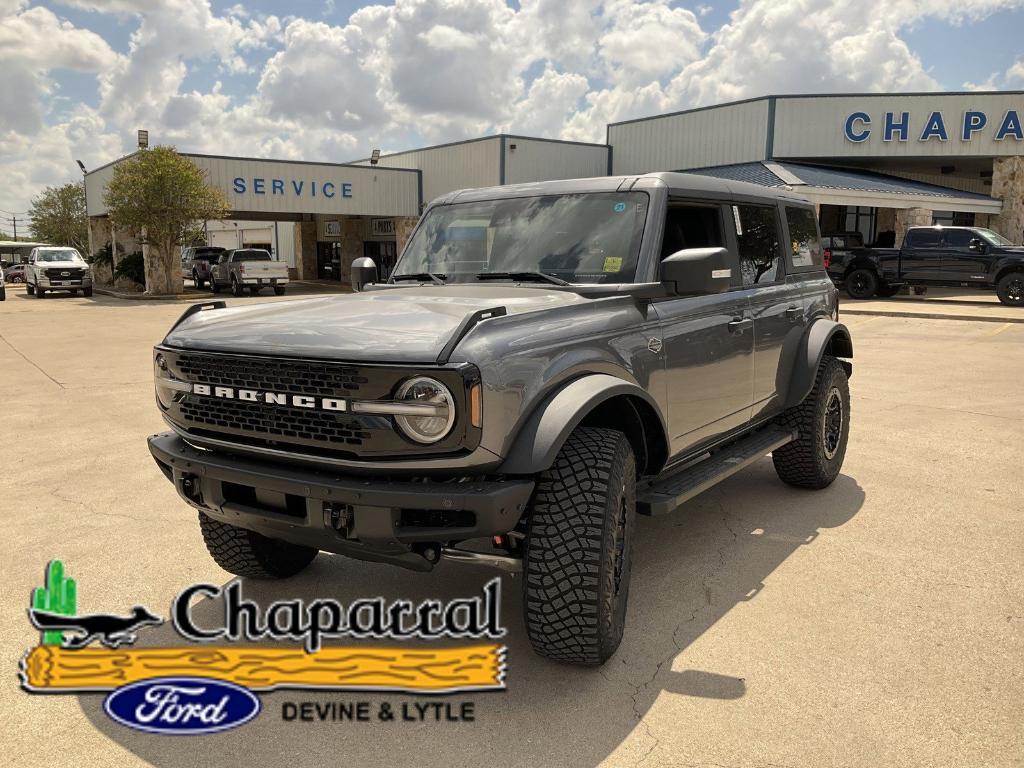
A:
[947,256]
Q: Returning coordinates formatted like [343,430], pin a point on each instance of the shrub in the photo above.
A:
[133,267]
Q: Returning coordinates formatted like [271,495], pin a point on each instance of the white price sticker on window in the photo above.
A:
[736,218]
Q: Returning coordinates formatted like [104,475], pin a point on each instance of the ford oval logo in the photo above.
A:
[182,705]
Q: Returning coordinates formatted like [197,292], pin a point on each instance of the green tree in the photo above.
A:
[161,195]
[58,216]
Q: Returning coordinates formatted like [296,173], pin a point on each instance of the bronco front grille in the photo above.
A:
[312,431]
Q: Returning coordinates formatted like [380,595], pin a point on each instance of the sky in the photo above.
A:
[332,80]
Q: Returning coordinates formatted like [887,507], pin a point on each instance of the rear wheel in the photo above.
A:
[578,549]
[214,288]
[197,280]
[822,422]
[861,284]
[236,287]
[247,553]
[1010,289]
[887,291]
[279,290]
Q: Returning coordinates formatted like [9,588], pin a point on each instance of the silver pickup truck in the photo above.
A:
[252,268]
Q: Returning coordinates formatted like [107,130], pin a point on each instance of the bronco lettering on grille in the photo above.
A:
[271,398]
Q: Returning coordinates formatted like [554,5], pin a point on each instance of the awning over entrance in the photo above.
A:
[843,186]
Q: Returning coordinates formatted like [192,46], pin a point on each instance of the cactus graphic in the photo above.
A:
[58,596]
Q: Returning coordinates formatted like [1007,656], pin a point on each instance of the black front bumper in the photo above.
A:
[370,519]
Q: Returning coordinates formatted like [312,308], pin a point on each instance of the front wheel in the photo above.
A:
[197,280]
[87,292]
[1010,289]
[247,553]
[861,284]
[30,289]
[214,288]
[279,290]
[822,423]
[40,293]
[578,549]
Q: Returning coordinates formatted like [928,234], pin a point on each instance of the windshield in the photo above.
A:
[580,238]
[994,238]
[64,254]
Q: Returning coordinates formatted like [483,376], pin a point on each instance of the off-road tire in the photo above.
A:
[247,553]
[237,289]
[814,459]
[278,290]
[579,549]
[1010,289]
[861,284]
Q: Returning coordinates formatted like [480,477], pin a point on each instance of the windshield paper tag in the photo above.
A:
[612,263]
[736,218]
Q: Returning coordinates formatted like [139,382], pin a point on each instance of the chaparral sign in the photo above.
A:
[898,126]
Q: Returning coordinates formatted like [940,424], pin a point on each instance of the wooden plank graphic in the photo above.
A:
[50,668]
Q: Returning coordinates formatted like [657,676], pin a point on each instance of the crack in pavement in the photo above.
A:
[24,357]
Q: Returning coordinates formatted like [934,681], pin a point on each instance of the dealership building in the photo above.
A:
[876,163]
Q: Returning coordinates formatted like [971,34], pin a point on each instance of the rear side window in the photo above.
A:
[924,238]
[757,240]
[804,245]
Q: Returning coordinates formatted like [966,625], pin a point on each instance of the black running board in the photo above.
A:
[664,495]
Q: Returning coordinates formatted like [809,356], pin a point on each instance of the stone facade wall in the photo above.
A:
[1008,186]
[353,233]
[404,225]
[911,217]
[305,250]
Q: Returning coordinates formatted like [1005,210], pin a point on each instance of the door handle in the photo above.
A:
[738,325]
[794,313]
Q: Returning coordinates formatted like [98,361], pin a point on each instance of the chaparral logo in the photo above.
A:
[271,398]
[182,705]
[201,687]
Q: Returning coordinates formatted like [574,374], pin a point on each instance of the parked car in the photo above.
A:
[54,268]
[15,273]
[966,257]
[252,268]
[544,362]
[3,288]
[196,261]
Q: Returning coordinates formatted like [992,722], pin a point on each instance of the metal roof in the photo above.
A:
[832,178]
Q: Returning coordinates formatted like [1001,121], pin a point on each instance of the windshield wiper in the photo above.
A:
[421,276]
[539,277]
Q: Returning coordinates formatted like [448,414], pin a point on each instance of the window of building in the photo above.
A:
[953,218]
[863,220]
[757,239]
[804,245]
[689,226]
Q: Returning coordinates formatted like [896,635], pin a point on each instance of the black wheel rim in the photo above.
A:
[860,284]
[620,542]
[832,424]
[1015,290]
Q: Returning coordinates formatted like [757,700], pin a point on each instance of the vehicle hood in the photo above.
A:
[400,325]
[1012,250]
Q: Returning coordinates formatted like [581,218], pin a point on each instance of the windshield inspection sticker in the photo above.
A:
[612,263]
[619,207]
[193,688]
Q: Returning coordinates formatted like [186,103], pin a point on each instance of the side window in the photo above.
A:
[691,227]
[924,238]
[959,238]
[804,245]
[757,240]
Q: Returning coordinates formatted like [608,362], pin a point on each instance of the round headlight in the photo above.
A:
[431,409]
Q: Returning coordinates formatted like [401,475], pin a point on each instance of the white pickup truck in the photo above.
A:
[252,268]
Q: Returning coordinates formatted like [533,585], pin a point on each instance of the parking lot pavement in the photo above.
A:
[876,623]
[938,304]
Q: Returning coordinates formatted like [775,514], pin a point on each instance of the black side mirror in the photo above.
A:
[364,272]
[977,244]
[697,271]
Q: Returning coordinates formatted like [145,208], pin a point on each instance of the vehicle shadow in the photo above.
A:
[691,568]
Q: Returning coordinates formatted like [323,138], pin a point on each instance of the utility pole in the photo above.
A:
[15,220]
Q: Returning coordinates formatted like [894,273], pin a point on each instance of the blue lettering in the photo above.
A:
[973,122]
[346,190]
[312,186]
[1010,127]
[328,185]
[277,186]
[257,186]
[902,127]
[239,185]
[297,186]
[861,117]
[934,127]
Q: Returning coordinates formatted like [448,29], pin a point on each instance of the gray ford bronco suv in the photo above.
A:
[545,362]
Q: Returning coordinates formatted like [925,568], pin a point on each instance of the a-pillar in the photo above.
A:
[1008,186]
[305,250]
[911,217]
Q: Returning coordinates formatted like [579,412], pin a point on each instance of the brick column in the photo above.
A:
[305,249]
[911,217]
[1008,186]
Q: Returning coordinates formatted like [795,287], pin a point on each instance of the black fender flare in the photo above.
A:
[542,435]
[823,336]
